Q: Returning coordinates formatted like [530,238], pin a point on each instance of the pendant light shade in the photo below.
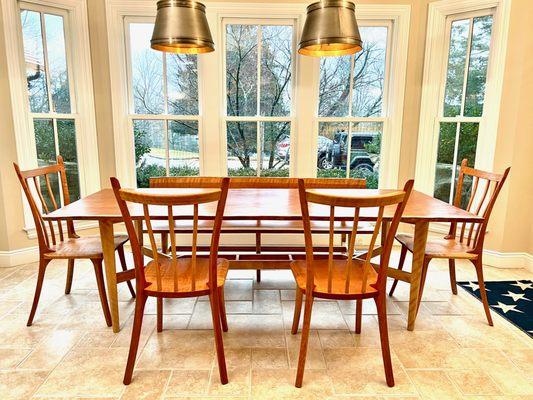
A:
[330,29]
[181,27]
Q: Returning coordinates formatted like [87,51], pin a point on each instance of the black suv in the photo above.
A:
[336,155]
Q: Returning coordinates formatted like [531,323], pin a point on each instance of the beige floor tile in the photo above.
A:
[188,383]
[473,331]
[253,330]
[239,307]
[273,358]
[50,352]
[365,379]
[434,384]
[123,338]
[87,372]
[473,382]
[146,385]
[331,339]
[239,382]
[314,358]
[266,302]
[522,358]
[325,315]
[201,317]
[238,357]
[18,385]
[15,333]
[275,279]
[171,306]
[11,357]
[279,384]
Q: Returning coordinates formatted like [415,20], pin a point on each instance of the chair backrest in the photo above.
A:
[484,190]
[256,183]
[192,196]
[37,186]
[357,200]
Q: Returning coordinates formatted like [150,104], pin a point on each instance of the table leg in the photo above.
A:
[419,249]
[108,248]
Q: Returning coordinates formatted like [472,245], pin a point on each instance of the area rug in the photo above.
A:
[513,300]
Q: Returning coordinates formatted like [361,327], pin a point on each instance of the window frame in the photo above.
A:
[165,116]
[258,119]
[440,16]
[385,117]
[78,57]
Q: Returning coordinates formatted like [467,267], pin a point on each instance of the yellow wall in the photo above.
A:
[511,227]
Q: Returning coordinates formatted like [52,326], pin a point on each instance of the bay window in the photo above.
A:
[254,107]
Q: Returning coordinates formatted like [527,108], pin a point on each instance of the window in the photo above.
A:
[259,65]
[462,101]
[164,108]
[52,105]
[352,109]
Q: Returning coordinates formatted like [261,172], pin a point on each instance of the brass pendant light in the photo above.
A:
[181,27]
[330,29]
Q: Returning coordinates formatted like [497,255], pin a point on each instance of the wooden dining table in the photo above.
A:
[263,211]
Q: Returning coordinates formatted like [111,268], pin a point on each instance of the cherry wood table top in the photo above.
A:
[264,204]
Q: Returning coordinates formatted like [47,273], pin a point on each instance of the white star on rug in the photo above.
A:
[474,286]
[507,307]
[523,285]
[516,296]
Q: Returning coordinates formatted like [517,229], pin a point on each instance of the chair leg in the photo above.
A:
[164,242]
[123,265]
[297,311]
[258,275]
[97,264]
[453,281]
[400,267]
[70,274]
[482,291]
[222,304]
[305,339]
[358,315]
[159,314]
[135,336]
[384,338]
[219,344]
[40,278]
[423,281]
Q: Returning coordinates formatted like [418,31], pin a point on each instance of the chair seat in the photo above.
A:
[185,277]
[440,248]
[82,247]
[338,285]
[263,226]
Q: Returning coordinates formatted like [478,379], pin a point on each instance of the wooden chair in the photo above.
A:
[465,243]
[252,183]
[63,243]
[177,276]
[351,278]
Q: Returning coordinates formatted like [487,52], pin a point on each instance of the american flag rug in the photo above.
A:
[513,300]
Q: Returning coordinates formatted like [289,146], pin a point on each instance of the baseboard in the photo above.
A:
[490,257]
[508,260]
[19,257]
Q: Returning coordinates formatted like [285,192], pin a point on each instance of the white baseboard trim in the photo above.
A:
[508,260]
[19,257]
[490,257]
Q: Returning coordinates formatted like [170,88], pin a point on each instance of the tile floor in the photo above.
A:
[69,353]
